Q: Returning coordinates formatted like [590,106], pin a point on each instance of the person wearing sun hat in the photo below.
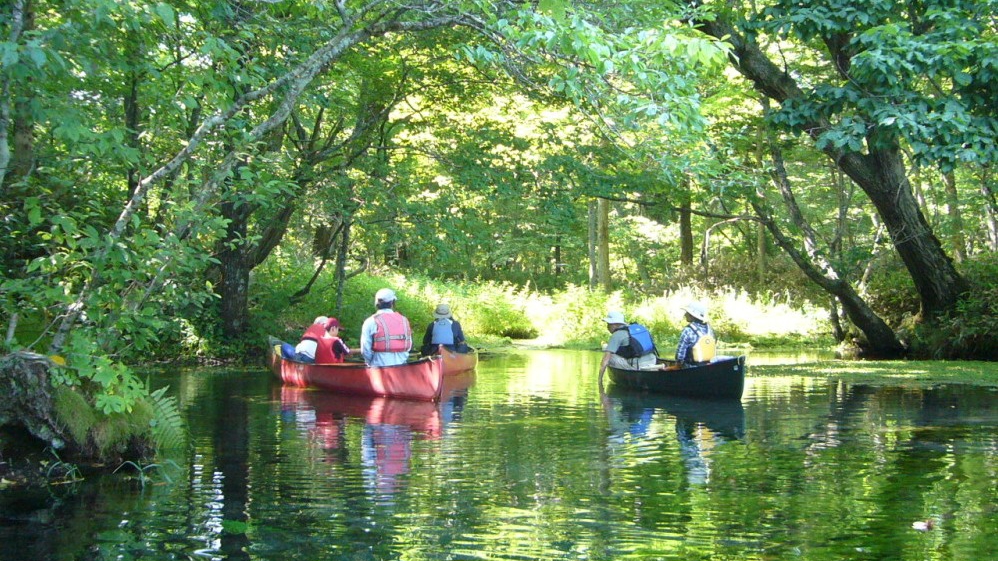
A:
[385,337]
[443,330]
[620,339]
[696,341]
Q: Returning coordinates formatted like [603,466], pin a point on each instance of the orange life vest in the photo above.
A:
[393,334]
[315,332]
[325,353]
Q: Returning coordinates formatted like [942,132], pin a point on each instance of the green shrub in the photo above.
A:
[891,293]
[971,332]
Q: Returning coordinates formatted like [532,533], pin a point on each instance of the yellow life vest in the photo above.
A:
[705,348]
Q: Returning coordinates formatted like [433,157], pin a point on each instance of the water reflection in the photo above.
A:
[534,463]
[388,427]
[701,425]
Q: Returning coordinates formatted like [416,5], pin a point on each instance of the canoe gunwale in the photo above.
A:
[720,379]
[420,379]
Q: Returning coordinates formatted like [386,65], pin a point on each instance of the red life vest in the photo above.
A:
[325,353]
[393,334]
[315,332]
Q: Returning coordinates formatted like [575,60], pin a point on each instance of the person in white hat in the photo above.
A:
[620,340]
[696,341]
[385,337]
[443,330]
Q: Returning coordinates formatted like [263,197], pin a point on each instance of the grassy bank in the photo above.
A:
[496,314]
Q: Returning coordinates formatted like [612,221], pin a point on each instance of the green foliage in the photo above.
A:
[486,186]
[114,386]
[167,426]
[143,471]
[490,311]
[497,309]
[971,332]
[891,292]
[922,71]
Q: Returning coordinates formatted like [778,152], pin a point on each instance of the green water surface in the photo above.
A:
[527,460]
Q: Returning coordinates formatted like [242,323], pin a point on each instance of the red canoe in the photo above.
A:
[420,379]
[458,362]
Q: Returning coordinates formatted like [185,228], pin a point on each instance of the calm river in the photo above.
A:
[525,460]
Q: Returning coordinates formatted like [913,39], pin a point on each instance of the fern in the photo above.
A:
[167,425]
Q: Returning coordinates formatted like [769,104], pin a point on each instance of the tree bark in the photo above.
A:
[760,253]
[593,266]
[956,235]
[991,204]
[880,174]
[685,229]
[234,266]
[881,341]
[603,244]
[17,163]
[17,8]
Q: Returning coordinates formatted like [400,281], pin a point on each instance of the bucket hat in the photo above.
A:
[615,317]
[697,310]
[442,311]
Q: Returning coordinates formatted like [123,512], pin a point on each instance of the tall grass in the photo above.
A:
[495,313]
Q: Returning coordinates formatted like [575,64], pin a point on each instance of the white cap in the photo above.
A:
[697,310]
[615,317]
[384,295]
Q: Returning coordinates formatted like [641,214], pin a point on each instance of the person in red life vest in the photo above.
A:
[331,349]
[305,350]
[385,337]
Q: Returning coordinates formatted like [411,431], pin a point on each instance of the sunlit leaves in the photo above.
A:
[920,71]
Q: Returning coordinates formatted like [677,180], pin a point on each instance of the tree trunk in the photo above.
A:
[881,340]
[593,267]
[833,317]
[341,262]
[17,164]
[16,19]
[685,229]
[603,244]
[957,238]
[991,206]
[760,253]
[880,174]
[234,266]
[133,112]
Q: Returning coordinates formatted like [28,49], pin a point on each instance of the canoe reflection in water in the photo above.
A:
[389,425]
[701,424]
